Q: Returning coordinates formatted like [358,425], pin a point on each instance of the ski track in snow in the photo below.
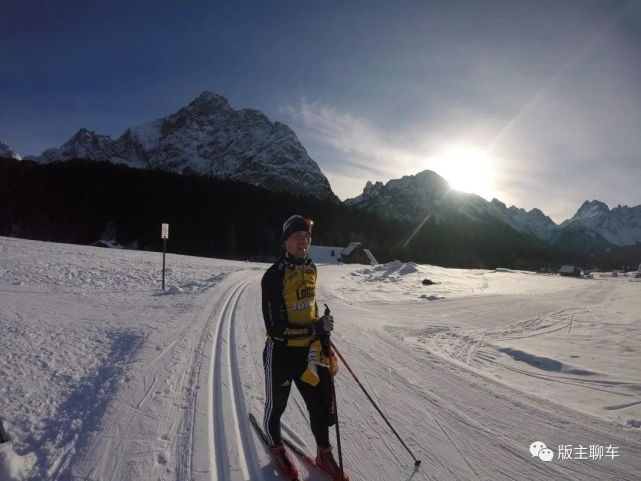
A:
[236,453]
[230,425]
[166,386]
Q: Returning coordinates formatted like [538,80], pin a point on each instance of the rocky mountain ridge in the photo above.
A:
[415,197]
[7,152]
[208,137]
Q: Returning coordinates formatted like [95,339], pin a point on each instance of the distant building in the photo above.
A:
[352,254]
[325,254]
[355,254]
[570,271]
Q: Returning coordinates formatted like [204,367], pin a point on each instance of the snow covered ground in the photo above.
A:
[105,377]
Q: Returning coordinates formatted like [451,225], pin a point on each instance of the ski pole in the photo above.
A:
[327,343]
[338,429]
[417,462]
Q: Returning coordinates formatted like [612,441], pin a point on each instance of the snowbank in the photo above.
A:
[14,467]
[74,319]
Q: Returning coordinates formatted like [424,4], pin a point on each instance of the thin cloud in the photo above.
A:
[352,149]
[547,162]
[364,146]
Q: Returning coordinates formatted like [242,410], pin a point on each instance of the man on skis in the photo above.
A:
[293,352]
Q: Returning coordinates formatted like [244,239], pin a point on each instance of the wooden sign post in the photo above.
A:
[4,438]
[164,235]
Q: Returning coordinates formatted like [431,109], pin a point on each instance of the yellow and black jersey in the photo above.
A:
[289,300]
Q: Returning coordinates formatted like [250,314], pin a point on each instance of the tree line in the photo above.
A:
[82,201]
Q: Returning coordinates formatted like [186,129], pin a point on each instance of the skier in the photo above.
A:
[293,348]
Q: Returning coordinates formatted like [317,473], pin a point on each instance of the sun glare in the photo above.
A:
[468,170]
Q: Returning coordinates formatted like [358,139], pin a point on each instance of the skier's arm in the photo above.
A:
[274,311]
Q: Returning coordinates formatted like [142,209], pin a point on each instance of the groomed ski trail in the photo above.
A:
[232,450]
[219,451]
[462,425]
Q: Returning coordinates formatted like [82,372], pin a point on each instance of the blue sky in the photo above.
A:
[549,90]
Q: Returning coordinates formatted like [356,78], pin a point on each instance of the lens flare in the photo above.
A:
[468,170]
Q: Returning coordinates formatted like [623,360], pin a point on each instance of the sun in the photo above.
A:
[468,170]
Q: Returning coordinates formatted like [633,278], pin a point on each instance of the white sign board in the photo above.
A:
[164,233]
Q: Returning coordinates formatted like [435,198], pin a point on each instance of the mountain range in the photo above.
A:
[413,198]
[208,137]
[7,152]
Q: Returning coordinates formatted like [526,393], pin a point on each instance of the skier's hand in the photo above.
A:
[331,363]
[325,325]
[314,359]
[314,355]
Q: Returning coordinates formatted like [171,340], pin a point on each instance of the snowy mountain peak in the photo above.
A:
[405,198]
[208,97]
[208,137]
[534,222]
[589,212]
[426,179]
[88,138]
[85,144]
[83,133]
[537,212]
[415,196]
[372,190]
[619,226]
[208,102]
[7,152]
[430,178]
[594,207]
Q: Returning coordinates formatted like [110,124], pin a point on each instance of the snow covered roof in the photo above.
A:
[568,269]
[370,256]
[325,254]
[350,248]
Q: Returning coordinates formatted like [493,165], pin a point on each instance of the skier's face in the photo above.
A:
[298,244]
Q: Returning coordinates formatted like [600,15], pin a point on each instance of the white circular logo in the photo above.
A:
[535,448]
[546,455]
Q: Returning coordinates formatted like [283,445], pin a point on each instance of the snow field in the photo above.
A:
[573,341]
[76,324]
[107,378]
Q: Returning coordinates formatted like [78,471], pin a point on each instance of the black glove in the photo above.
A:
[324,325]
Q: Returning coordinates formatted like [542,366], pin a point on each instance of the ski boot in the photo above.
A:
[326,463]
[284,464]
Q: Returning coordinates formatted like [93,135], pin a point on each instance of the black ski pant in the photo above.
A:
[284,365]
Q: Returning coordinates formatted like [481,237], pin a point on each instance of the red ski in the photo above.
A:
[302,454]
